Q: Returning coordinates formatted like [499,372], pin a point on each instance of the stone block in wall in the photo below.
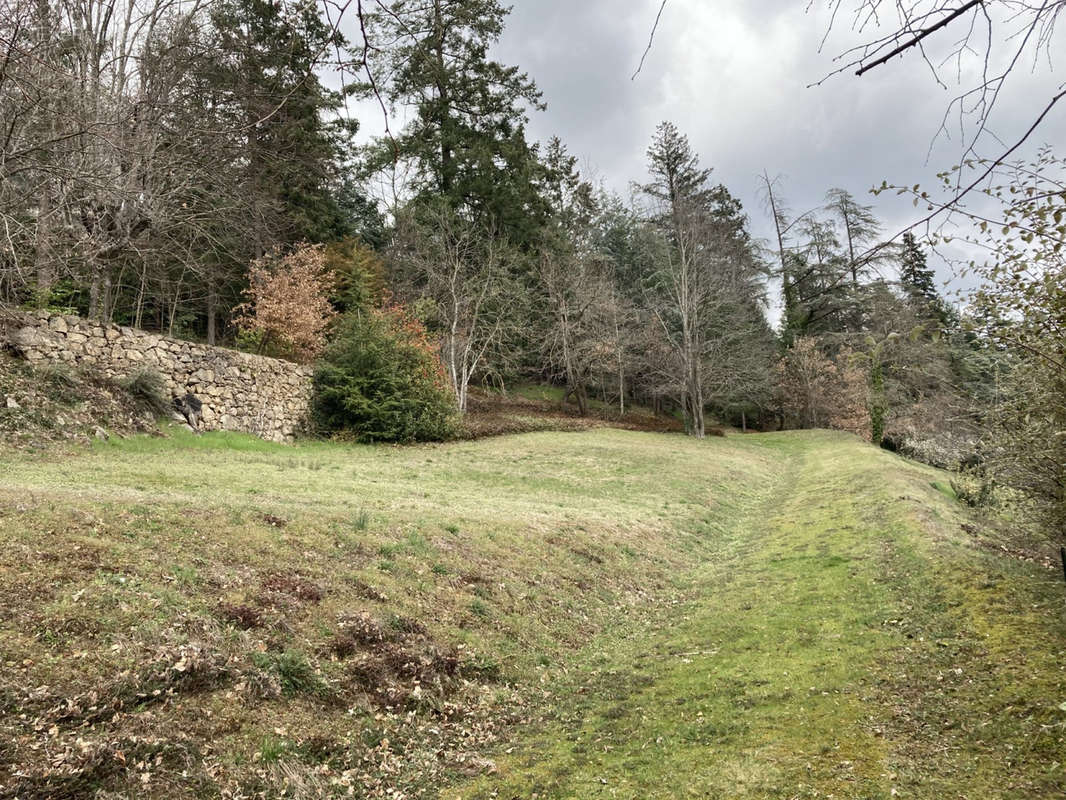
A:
[57,324]
[28,339]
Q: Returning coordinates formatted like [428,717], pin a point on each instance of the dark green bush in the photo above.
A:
[381,381]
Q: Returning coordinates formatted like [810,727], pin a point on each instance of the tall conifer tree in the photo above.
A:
[466,138]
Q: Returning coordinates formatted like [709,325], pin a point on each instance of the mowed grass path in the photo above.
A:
[848,639]
[603,614]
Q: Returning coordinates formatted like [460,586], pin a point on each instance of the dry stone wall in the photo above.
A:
[253,394]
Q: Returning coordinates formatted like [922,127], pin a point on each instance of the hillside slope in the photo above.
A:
[606,613]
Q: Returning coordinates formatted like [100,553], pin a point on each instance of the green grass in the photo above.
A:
[604,614]
[539,391]
[546,393]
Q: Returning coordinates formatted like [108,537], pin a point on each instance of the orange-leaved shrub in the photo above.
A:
[288,311]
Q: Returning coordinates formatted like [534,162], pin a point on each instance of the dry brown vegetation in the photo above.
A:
[494,414]
[45,406]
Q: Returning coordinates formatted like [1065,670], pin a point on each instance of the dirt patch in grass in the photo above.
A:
[181,669]
[278,588]
[78,769]
[242,616]
[366,591]
[399,665]
[71,744]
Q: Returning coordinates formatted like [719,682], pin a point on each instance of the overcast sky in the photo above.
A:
[733,77]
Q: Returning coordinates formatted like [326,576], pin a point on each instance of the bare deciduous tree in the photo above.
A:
[585,324]
[818,392]
[465,273]
[131,153]
[702,290]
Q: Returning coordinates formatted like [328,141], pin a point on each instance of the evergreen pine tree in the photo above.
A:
[860,229]
[466,140]
[914,275]
[291,149]
[678,180]
[917,281]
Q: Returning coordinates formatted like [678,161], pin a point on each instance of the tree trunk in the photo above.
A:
[581,395]
[138,312]
[110,294]
[699,423]
[212,304]
[851,245]
[45,271]
[446,155]
[95,286]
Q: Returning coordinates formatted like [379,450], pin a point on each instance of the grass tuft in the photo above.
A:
[294,671]
[362,520]
[148,388]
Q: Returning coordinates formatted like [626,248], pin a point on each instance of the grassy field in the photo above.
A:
[596,614]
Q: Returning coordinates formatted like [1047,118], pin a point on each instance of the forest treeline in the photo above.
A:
[184,167]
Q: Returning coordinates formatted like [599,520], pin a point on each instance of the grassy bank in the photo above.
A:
[605,613]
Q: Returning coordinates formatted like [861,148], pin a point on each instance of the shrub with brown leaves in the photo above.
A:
[816,391]
[288,310]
